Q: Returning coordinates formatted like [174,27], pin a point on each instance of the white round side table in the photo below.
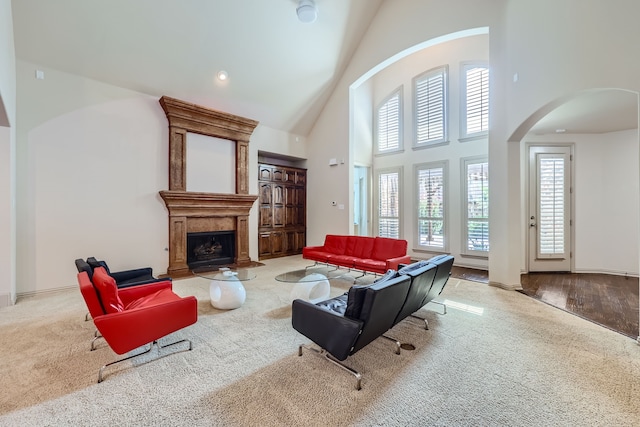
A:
[226,289]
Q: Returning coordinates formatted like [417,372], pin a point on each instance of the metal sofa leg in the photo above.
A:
[100,372]
[330,358]
[444,306]
[395,341]
[426,323]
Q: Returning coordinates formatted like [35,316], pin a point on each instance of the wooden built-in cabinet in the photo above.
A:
[283,199]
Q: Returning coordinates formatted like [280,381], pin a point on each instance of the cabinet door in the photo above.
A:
[279,208]
[301,178]
[264,244]
[266,209]
[278,174]
[301,241]
[278,243]
[289,176]
[264,173]
[291,207]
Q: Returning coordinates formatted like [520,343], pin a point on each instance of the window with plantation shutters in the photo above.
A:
[389,204]
[475,114]
[429,91]
[551,215]
[430,184]
[388,121]
[476,221]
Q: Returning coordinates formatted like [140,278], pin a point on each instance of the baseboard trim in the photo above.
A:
[5,300]
[44,292]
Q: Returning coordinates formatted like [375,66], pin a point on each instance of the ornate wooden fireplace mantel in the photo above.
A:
[191,212]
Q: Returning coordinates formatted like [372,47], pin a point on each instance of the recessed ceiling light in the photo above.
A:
[223,75]
[561,130]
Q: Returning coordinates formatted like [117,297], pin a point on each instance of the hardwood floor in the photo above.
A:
[608,300]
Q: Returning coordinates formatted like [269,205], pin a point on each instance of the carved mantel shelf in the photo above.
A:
[195,204]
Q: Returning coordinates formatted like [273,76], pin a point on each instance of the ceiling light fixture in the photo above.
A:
[223,75]
[307,11]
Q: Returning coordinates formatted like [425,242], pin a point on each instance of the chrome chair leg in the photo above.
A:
[330,358]
[100,372]
[86,317]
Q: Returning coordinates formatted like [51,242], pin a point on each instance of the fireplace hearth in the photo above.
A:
[210,248]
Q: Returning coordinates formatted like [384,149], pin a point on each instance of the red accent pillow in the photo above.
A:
[106,286]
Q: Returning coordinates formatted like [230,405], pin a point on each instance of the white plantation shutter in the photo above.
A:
[552,207]
[430,184]
[477,221]
[388,124]
[476,104]
[430,112]
[389,205]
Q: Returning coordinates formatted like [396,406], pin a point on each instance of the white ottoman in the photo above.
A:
[313,287]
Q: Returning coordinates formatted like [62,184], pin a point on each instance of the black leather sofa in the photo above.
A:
[343,325]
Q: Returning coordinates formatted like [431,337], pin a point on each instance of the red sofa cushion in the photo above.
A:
[385,248]
[106,286]
[374,265]
[335,244]
[362,246]
[342,260]
[315,253]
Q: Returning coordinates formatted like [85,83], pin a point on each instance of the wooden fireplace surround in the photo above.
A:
[191,211]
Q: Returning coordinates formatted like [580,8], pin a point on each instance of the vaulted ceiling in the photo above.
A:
[281,71]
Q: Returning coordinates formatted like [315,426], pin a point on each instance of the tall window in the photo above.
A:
[476,224]
[388,124]
[475,114]
[389,203]
[430,184]
[429,91]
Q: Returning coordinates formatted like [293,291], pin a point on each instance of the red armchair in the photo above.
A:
[136,316]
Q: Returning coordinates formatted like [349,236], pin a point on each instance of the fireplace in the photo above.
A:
[202,213]
[215,248]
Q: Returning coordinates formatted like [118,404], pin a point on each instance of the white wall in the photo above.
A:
[7,157]
[210,164]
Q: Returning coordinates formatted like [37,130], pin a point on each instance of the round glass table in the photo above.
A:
[226,289]
[311,284]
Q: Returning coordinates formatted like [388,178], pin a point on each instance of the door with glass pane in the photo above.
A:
[549,220]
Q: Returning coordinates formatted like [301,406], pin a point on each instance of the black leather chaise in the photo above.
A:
[343,325]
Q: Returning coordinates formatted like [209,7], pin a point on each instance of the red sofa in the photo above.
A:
[369,254]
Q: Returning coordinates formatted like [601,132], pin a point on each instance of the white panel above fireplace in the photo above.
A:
[211,164]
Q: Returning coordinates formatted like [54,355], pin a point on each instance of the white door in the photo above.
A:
[550,208]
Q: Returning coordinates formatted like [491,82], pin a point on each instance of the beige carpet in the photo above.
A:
[497,358]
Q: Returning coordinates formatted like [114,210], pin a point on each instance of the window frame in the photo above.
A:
[464,68]
[398,170]
[464,164]
[444,70]
[376,126]
[444,164]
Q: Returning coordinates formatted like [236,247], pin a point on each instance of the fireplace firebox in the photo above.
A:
[210,248]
